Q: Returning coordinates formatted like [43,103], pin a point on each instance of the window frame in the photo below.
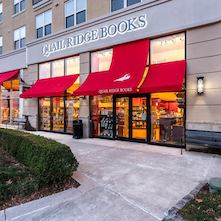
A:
[19,7]
[101,51]
[125,5]
[45,24]
[1,12]
[51,66]
[75,12]
[21,39]
[1,45]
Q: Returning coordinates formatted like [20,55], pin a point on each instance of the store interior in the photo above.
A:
[127,117]
[9,101]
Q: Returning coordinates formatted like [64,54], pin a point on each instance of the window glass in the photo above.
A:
[80,5]
[22,42]
[19,38]
[58,68]
[131,2]
[40,32]
[1,7]
[167,113]
[45,113]
[16,8]
[48,29]
[58,113]
[102,116]
[40,21]
[69,21]
[16,45]
[69,8]
[1,44]
[22,32]
[101,60]
[19,5]
[44,70]
[72,112]
[72,65]
[43,23]
[81,17]
[167,49]
[117,4]
[48,17]
[22,5]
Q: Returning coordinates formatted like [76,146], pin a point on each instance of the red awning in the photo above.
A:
[7,76]
[125,73]
[165,77]
[50,87]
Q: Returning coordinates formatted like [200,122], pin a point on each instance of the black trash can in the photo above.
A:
[77,129]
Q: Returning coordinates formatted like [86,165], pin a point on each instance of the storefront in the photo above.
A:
[143,74]
[141,96]
[9,97]
[57,108]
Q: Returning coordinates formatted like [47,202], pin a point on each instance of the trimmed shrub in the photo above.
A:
[50,161]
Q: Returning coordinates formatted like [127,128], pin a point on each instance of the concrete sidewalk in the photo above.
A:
[121,181]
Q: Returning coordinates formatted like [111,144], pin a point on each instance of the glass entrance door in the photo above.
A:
[122,117]
[139,118]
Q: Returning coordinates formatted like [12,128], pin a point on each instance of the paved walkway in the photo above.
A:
[121,181]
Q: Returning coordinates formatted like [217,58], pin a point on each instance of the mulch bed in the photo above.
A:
[9,164]
[17,200]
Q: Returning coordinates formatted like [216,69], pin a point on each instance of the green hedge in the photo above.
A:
[50,161]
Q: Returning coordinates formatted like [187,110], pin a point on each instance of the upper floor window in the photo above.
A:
[119,4]
[1,10]
[168,49]
[101,60]
[19,38]
[34,2]
[62,67]
[43,24]
[1,44]
[75,12]
[19,5]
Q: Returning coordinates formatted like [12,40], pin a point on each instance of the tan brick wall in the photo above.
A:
[97,8]
[203,57]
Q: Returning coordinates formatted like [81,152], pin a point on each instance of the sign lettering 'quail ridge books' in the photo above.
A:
[112,30]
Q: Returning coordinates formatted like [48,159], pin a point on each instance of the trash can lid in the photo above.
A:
[215,183]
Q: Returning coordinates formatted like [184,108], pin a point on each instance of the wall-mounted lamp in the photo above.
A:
[200,85]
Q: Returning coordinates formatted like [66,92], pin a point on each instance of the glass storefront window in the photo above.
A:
[102,116]
[168,49]
[167,113]
[44,70]
[72,112]
[101,60]
[9,101]
[52,113]
[15,108]
[5,111]
[44,111]
[58,68]
[72,65]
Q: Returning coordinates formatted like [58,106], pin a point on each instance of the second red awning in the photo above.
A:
[50,87]
[165,77]
[125,73]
